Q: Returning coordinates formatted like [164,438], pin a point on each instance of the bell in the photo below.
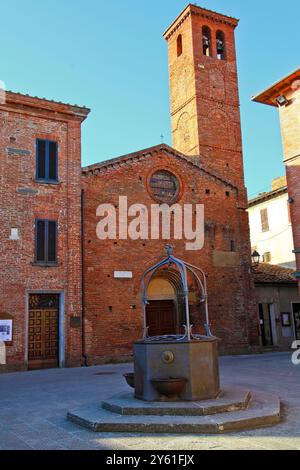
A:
[220,46]
[205,41]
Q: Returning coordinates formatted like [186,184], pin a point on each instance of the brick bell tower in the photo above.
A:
[205,114]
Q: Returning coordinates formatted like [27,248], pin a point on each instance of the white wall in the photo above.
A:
[279,239]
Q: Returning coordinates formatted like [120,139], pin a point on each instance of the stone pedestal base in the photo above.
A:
[195,361]
[234,410]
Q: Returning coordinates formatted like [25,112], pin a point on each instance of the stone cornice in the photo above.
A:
[20,102]
[202,12]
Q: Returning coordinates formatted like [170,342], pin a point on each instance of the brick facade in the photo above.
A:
[22,200]
[206,130]
[205,115]
[112,321]
[209,168]
[289,88]
[289,118]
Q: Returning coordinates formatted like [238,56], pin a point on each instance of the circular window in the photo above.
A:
[164,186]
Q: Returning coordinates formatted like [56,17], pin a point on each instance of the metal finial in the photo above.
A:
[169,250]
[162,139]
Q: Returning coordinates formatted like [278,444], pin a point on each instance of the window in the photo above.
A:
[179,45]
[206,41]
[267,257]
[264,220]
[46,161]
[221,52]
[164,187]
[45,241]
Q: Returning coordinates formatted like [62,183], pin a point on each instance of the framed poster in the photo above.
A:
[5,330]
[286,319]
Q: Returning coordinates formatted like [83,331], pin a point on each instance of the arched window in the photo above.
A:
[221,49]
[179,45]
[206,41]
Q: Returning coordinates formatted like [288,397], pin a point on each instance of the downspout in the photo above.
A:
[84,355]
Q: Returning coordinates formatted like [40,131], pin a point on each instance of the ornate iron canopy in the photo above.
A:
[183,269]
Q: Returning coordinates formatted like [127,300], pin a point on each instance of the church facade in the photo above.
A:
[70,295]
[205,166]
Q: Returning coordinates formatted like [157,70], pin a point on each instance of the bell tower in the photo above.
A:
[205,114]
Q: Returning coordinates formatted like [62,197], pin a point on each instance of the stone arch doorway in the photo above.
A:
[165,309]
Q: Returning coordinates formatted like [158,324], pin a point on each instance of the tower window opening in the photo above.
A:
[206,41]
[179,45]
[221,53]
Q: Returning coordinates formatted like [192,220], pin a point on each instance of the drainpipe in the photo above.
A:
[84,355]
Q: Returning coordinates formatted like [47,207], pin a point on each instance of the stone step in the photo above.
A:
[264,410]
[230,399]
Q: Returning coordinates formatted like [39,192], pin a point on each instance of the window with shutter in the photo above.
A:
[46,161]
[53,161]
[267,257]
[52,242]
[40,240]
[46,242]
[41,159]
[264,220]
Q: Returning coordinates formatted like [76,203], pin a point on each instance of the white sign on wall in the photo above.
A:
[123,275]
[5,330]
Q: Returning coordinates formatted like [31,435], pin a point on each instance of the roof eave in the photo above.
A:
[27,101]
[269,95]
[267,196]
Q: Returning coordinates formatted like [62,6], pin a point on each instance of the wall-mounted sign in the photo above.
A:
[286,319]
[123,275]
[5,330]
[14,234]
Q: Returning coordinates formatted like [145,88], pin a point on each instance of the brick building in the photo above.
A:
[285,95]
[204,167]
[72,297]
[271,236]
[40,232]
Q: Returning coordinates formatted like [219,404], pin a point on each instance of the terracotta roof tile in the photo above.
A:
[271,274]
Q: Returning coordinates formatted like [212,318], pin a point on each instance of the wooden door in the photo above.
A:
[266,324]
[296,313]
[43,335]
[161,317]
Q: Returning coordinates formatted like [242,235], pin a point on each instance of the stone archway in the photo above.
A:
[165,307]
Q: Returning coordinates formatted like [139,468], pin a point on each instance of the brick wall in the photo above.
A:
[204,95]
[22,200]
[112,324]
[290,126]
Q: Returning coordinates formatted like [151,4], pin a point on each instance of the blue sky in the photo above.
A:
[110,56]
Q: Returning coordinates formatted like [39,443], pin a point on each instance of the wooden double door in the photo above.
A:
[161,317]
[43,331]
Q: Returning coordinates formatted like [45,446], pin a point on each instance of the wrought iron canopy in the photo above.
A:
[183,269]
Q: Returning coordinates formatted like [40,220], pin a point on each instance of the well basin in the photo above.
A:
[170,388]
[129,379]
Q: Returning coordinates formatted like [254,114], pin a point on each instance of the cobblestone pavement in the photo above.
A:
[34,406]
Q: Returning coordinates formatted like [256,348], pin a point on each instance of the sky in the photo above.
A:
[111,57]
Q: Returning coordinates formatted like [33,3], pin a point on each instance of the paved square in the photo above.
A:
[34,407]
